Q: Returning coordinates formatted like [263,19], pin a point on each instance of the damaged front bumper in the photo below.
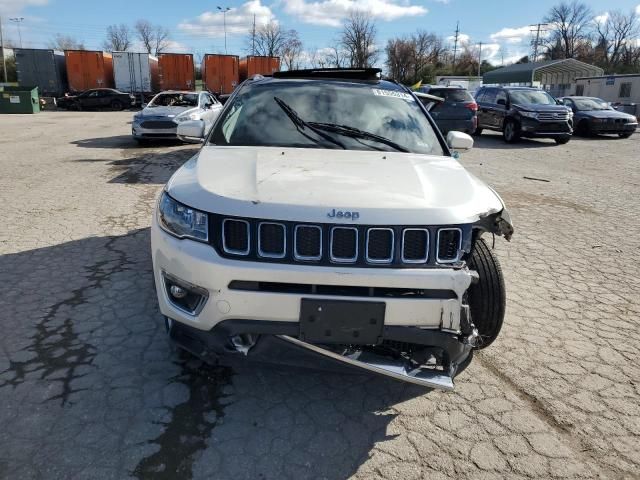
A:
[444,354]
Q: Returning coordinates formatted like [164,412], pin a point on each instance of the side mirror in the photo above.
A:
[502,101]
[459,142]
[191,131]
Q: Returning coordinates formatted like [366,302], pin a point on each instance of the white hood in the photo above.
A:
[305,185]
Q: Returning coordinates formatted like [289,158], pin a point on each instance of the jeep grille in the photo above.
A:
[330,244]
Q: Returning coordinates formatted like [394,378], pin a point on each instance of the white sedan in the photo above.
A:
[159,119]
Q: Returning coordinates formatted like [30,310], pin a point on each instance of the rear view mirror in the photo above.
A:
[459,142]
[191,131]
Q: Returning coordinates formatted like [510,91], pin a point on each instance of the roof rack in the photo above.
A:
[347,73]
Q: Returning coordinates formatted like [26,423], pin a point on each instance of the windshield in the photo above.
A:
[451,95]
[535,97]
[174,100]
[326,114]
[591,104]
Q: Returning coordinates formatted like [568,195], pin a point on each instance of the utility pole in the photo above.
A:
[479,58]
[4,57]
[224,19]
[455,43]
[539,28]
[253,36]
[18,21]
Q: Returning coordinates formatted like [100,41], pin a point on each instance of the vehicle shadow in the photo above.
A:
[123,142]
[147,167]
[495,141]
[86,360]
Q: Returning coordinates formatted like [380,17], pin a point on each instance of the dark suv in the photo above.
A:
[457,112]
[523,112]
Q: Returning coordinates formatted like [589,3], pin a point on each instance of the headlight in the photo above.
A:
[529,114]
[182,221]
[184,118]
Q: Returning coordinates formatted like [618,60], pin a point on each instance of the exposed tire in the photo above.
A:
[487,297]
[562,140]
[510,131]
[625,135]
[477,132]
[117,105]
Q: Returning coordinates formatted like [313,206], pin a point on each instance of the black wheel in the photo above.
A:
[141,141]
[487,297]
[584,129]
[477,132]
[562,140]
[625,135]
[117,105]
[510,131]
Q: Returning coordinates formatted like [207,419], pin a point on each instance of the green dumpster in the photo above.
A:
[19,100]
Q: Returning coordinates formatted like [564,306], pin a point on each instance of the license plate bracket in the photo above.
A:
[341,321]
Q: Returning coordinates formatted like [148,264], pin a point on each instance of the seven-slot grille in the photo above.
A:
[326,244]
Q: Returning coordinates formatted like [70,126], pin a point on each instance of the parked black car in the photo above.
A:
[523,112]
[457,112]
[592,116]
[97,98]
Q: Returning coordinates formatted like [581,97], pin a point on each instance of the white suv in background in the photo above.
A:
[325,214]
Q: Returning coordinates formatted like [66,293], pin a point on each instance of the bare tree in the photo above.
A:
[291,50]
[358,39]
[416,57]
[118,38]
[65,42]
[613,35]
[154,38]
[269,40]
[400,57]
[569,25]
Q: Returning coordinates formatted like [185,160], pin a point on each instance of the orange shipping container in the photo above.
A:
[253,65]
[88,69]
[176,71]
[220,73]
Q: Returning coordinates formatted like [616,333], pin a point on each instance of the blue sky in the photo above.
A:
[196,25]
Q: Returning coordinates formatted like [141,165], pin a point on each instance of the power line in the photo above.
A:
[539,28]
[455,43]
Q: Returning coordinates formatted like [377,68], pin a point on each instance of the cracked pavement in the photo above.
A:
[90,387]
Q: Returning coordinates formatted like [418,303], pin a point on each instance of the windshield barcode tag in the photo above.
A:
[391,93]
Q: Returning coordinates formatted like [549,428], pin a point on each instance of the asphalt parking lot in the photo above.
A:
[89,387]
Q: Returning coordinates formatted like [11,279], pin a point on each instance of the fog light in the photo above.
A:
[178,292]
[184,295]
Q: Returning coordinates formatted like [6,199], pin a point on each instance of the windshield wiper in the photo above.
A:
[301,125]
[353,132]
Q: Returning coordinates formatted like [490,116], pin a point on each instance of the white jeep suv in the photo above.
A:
[326,217]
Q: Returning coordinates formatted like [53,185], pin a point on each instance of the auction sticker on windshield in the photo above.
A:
[391,93]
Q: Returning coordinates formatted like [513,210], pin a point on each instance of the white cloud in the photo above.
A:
[238,20]
[462,38]
[638,9]
[8,7]
[512,35]
[332,12]
[600,19]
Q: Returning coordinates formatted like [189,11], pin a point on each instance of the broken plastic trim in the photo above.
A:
[398,369]
[498,223]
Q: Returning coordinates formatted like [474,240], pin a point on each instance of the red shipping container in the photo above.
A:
[176,71]
[258,65]
[220,73]
[88,69]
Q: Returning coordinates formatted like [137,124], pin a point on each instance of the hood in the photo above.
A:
[164,111]
[536,107]
[310,184]
[604,114]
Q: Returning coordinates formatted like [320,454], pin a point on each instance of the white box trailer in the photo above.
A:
[624,89]
[135,73]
